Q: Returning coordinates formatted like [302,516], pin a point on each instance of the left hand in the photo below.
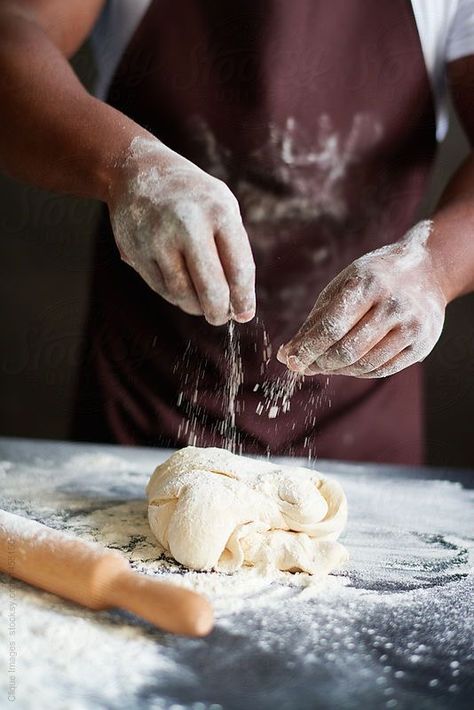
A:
[382,313]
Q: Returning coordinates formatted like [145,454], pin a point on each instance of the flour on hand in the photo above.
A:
[382,313]
[212,509]
[181,230]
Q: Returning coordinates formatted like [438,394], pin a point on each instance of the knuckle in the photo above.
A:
[371,280]
[412,327]
[361,276]
[357,270]
[242,276]
[222,192]
[224,200]
[332,328]
[367,364]
[393,306]
[228,219]
[324,297]
[345,355]
[359,284]
[353,281]
[177,285]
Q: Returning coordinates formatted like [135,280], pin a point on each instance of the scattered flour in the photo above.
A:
[395,624]
[315,167]
[234,381]
[277,394]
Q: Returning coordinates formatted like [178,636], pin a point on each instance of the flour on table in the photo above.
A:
[392,629]
[212,509]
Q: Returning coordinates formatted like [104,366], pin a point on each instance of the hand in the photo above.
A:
[381,314]
[181,230]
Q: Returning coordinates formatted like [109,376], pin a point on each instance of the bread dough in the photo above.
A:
[212,509]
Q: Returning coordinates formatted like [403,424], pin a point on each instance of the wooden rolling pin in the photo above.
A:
[96,577]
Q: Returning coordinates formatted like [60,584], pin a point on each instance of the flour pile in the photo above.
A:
[212,509]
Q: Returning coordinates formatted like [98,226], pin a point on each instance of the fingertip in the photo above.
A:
[242,301]
[281,355]
[244,317]
[295,364]
[216,320]
[190,311]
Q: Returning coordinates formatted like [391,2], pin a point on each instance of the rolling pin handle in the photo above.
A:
[168,606]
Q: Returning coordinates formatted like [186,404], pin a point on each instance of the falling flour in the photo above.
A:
[233,383]
[277,394]
[192,369]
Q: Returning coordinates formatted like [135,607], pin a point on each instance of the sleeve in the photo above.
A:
[110,37]
[460,40]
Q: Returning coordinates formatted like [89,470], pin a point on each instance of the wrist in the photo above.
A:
[450,263]
[442,274]
[112,156]
[142,154]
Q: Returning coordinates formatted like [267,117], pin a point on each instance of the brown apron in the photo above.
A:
[319,117]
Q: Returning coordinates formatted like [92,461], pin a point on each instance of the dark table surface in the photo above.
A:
[393,629]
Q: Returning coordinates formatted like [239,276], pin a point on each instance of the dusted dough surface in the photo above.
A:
[212,509]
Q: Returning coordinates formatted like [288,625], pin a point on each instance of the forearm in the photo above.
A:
[451,243]
[177,226]
[53,133]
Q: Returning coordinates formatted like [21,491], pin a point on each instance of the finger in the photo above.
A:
[209,279]
[178,287]
[329,324]
[239,267]
[404,359]
[395,342]
[369,331]
[322,301]
[150,272]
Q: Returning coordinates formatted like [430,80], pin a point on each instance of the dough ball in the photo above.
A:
[212,509]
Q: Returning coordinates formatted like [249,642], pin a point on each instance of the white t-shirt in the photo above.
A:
[445,27]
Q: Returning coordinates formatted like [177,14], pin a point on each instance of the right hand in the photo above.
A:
[181,230]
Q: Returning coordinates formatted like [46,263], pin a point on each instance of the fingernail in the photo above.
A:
[295,364]
[244,317]
[281,356]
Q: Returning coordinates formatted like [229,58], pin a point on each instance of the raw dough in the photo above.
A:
[212,509]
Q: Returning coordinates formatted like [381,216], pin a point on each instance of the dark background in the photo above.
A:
[45,267]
